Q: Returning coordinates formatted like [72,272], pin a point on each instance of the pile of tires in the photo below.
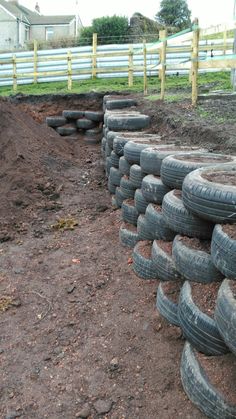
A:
[178,206]
[88,123]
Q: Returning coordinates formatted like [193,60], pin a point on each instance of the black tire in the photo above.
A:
[133,148]
[119,143]
[176,167]
[143,266]
[108,166]
[120,197]
[179,219]
[114,159]
[111,187]
[115,176]
[114,202]
[103,143]
[85,124]
[95,116]
[153,189]
[225,315]
[136,175]
[70,114]
[129,213]
[143,229]
[124,166]
[166,307]
[210,199]
[223,252]
[151,159]
[165,266]
[129,122]
[127,236]
[56,121]
[95,132]
[157,224]
[120,103]
[108,150]
[127,184]
[194,265]
[110,138]
[198,328]
[66,131]
[140,202]
[200,391]
[120,113]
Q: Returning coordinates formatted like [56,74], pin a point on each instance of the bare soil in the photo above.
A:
[230,229]
[79,331]
[205,158]
[197,244]
[172,290]
[145,248]
[165,246]
[223,177]
[204,296]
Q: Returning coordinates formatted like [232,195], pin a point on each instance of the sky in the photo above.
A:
[209,12]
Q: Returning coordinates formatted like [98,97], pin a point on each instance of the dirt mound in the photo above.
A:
[31,159]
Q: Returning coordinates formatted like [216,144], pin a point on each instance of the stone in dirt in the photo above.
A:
[103,406]
[84,412]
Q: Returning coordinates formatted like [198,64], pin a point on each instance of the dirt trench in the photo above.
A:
[80,335]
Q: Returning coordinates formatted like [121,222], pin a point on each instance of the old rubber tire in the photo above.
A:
[194,265]
[210,199]
[134,147]
[85,124]
[200,391]
[143,229]
[179,219]
[199,329]
[114,159]
[225,315]
[120,197]
[66,131]
[153,189]
[223,252]
[124,166]
[95,116]
[140,202]
[115,176]
[73,114]
[157,224]
[120,103]
[136,175]
[163,261]
[129,213]
[111,187]
[143,266]
[127,236]
[166,307]
[129,122]
[56,121]
[176,167]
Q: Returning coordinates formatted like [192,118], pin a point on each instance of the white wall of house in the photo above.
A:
[47,32]
[8,31]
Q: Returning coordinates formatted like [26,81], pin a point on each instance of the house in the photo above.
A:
[18,25]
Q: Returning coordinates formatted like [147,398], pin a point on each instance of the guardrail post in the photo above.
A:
[94,59]
[144,67]
[195,53]
[131,66]
[69,66]
[35,61]
[162,37]
[14,73]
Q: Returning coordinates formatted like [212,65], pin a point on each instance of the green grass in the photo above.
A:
[220,35]
[176,86]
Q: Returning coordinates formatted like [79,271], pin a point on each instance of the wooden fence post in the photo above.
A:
[144,67]
[69,67]
[14,73]
[94,59]
[195,53]
[163,36]
[35,60]
[225,41]
[131,66]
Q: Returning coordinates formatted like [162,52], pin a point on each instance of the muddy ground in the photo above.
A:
[80,335]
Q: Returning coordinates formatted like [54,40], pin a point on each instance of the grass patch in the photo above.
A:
[175,85]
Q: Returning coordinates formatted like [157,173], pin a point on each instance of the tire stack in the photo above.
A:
[88,123]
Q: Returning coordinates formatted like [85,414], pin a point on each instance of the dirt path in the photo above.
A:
[83,335]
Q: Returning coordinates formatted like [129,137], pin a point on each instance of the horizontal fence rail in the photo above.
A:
[182,53]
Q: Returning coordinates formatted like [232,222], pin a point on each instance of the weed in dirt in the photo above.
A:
[65,224]
[5,303]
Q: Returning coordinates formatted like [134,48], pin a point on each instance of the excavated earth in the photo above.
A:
[79,332]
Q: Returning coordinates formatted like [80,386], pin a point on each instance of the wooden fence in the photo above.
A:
[191,54]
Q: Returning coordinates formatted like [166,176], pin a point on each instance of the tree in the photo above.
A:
[174,13]
[110,30]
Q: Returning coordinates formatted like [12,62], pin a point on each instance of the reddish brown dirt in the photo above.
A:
[130,227]
[157,207]
[78,328]
[222,177]
[145,248]
[204,296]
[197,244]
[165,246]
[221,373]
[230,229]
[172,290]
[205,158]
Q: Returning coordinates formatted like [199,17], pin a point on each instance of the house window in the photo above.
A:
[49,33]
[27,30]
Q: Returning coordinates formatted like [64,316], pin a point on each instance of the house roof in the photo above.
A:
[34,18]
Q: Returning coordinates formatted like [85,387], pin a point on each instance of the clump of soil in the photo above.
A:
[165,246]
[204,158]
[129,227]
[230,229]
[178,193]
[196,244]
[221,372]
[130,202]
[204,296]
[157,207]
[172,289]
[223,177]
[145,248]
